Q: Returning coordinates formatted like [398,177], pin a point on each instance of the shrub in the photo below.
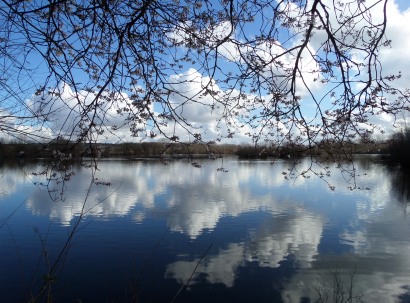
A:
[399,148]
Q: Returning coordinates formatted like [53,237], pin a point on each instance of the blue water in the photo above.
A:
[162,233]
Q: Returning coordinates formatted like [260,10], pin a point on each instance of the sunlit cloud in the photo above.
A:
[203,112]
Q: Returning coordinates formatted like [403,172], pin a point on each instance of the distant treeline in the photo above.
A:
[399,148]
[175,150]
[325,148]
[104,150]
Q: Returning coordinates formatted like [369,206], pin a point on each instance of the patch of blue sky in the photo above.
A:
[218,69]
[403,4]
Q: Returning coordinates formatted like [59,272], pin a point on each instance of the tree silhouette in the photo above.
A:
[279,71]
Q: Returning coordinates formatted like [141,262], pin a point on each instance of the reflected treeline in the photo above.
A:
[400,183]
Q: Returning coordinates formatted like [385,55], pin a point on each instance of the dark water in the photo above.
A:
[246,235]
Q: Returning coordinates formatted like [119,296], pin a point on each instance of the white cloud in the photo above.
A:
[397,57]
[66,112]
[207,114]
[15,128]
[265,51]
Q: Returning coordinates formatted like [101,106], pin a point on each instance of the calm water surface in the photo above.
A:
[245,235]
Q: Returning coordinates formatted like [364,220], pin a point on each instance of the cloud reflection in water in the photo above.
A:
[368,229]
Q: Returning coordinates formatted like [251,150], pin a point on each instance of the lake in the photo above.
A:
[250,232]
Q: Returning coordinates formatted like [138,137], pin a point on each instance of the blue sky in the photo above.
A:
[403,4]
[203,119]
